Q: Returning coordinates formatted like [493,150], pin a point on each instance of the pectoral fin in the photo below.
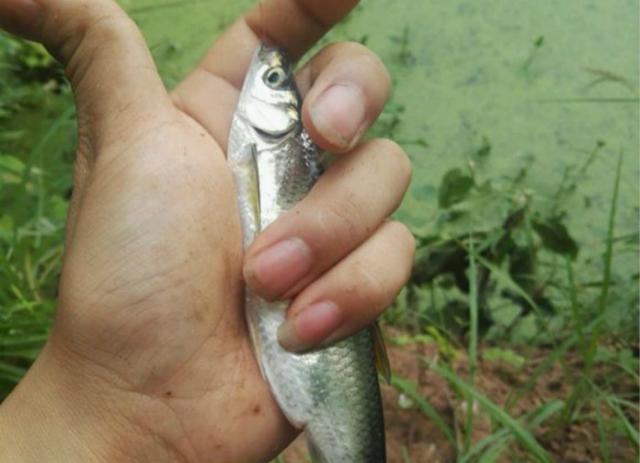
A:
[245,169]
[253,182]
[380,353]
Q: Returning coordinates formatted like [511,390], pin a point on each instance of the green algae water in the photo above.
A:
[496,86]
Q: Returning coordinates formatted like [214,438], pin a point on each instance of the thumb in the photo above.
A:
[104,54]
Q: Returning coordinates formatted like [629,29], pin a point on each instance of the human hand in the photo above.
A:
[149,358]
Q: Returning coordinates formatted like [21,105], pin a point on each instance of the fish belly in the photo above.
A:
[332,393]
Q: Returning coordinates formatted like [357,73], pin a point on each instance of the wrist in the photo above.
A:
[57,415]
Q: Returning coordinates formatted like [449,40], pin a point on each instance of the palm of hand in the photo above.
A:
[153,266]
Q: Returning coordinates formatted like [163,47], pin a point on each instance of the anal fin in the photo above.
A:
[380,354]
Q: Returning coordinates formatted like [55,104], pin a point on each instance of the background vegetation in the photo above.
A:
[517,337]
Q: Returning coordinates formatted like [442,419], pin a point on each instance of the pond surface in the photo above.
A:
[537,84]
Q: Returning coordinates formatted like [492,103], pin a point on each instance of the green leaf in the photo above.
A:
[407,340]
[525,330]
[6,228]
[445,348]
[555,237]
[11,169]
[454,188]
[485,148]
[504,355]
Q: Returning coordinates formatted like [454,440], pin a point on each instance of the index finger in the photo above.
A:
[293,25]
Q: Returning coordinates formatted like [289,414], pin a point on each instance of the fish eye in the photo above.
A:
[275,77]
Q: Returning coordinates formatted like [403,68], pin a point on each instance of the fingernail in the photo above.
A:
[311,326]
[339,113]
[279,267]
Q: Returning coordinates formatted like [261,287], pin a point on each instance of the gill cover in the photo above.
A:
[269,102]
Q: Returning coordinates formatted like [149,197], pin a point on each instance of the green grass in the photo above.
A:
[519,432]
[490,447]
[36,153]
[606,277]
[593,398]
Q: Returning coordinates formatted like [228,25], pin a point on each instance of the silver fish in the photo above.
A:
[332,393]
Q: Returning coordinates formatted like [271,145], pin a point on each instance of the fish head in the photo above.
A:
[269,101]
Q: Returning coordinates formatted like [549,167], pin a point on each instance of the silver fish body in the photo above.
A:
[332,393]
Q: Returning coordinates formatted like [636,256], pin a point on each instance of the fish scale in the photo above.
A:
[332,393]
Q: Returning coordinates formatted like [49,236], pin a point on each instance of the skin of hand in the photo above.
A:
[149,358]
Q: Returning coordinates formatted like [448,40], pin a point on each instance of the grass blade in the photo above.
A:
[575,309]
[405,455]
[408,388]
[602,434]
[11,372]
[548,363]
[631,431]
[519,432]
[498,440]
[473,339]
[606,278]
[34,340]
[493,454]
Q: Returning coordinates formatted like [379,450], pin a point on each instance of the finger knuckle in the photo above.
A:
[111,26]
[84,28]
[339,220]
[370,289]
